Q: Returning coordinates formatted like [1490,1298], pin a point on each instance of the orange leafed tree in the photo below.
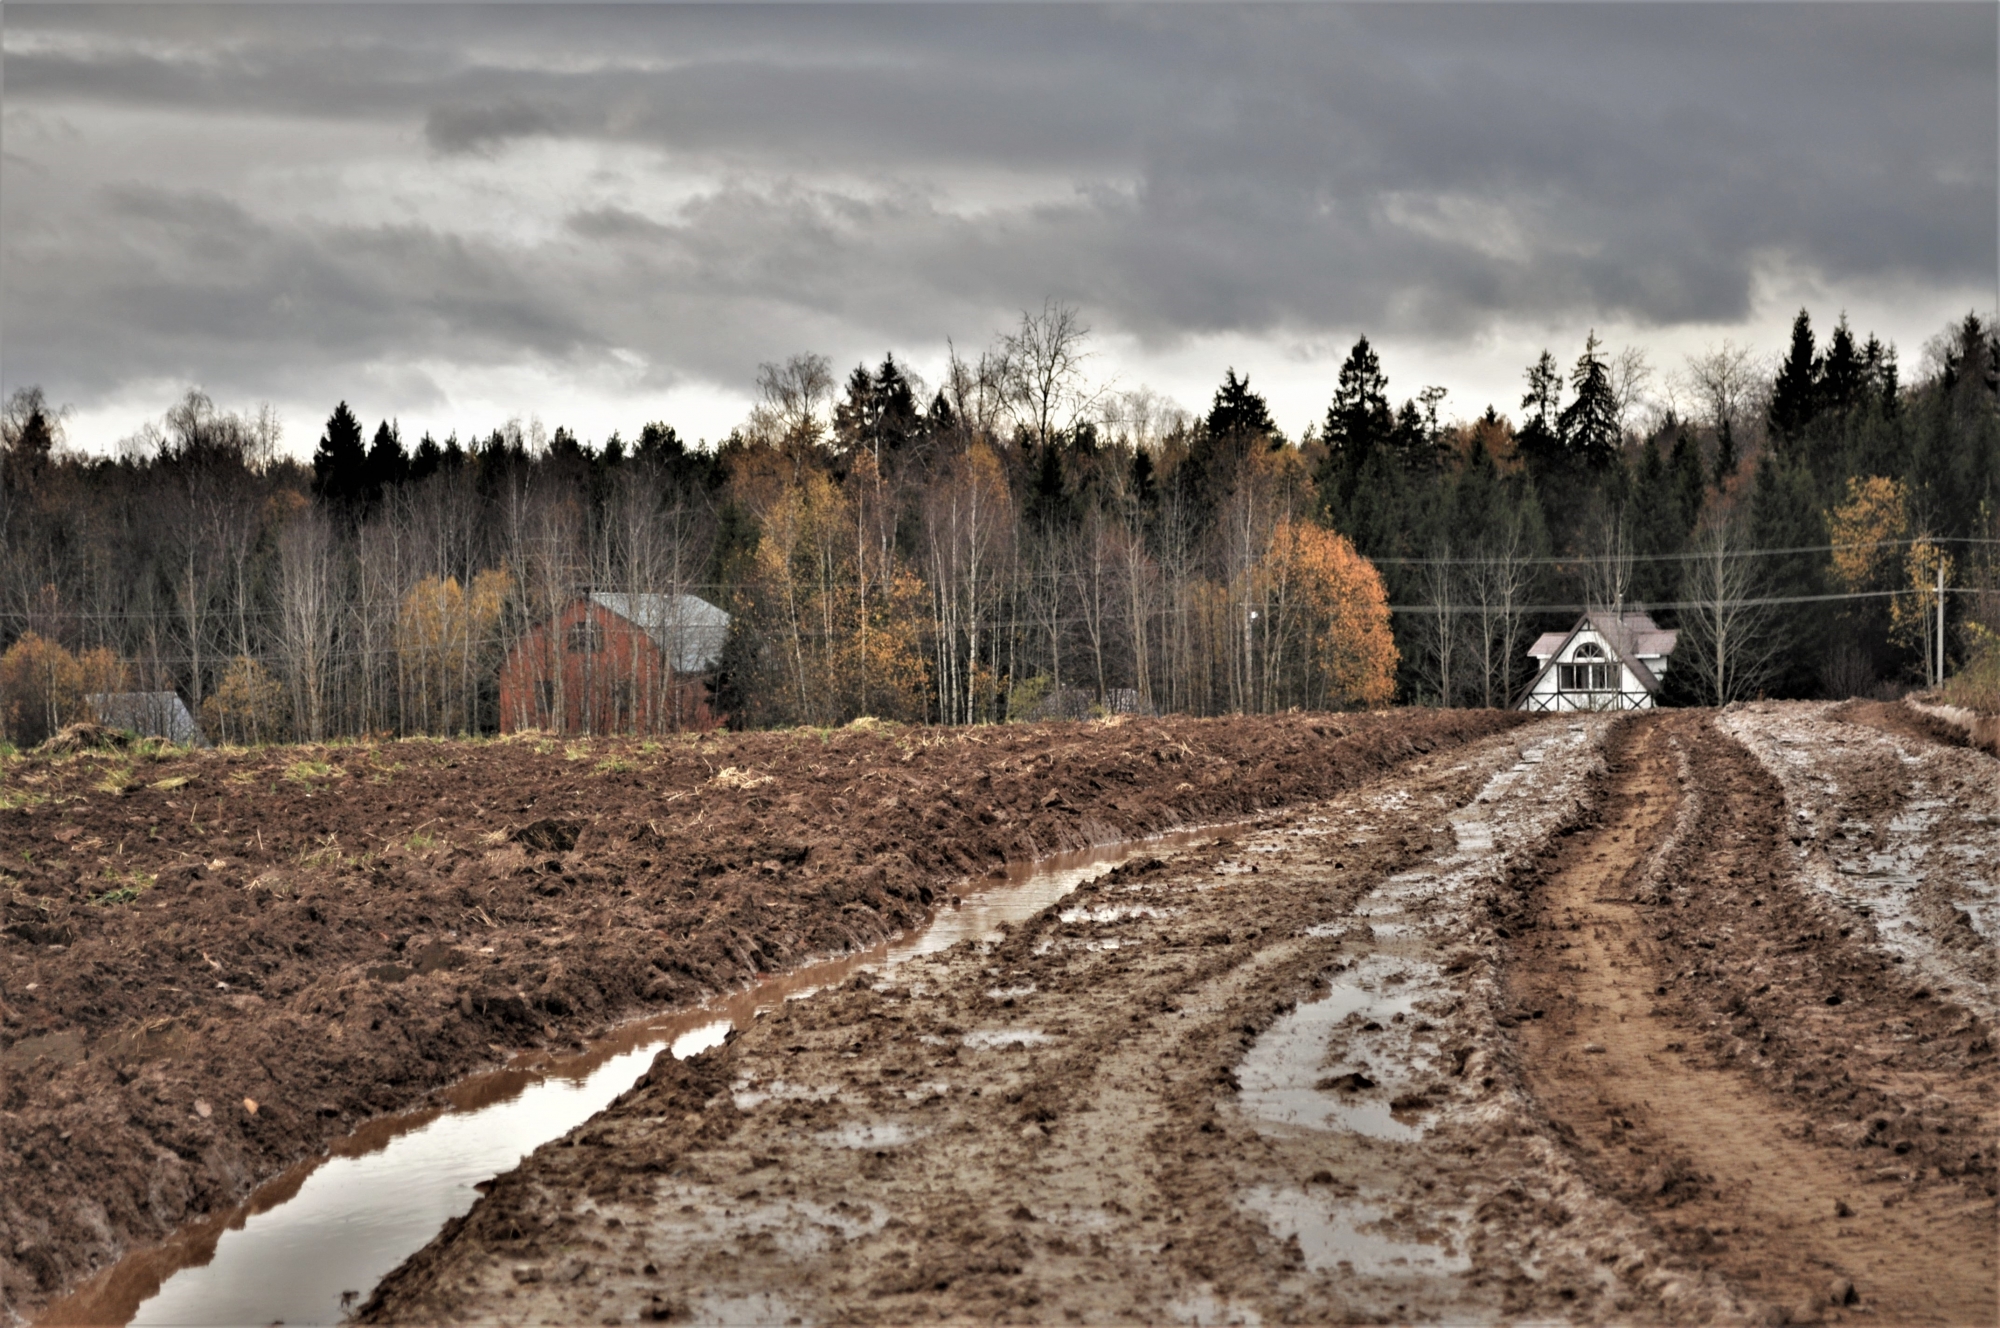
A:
[1325,622]
[1865,527]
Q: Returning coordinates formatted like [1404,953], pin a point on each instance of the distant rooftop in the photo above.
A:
[688,628]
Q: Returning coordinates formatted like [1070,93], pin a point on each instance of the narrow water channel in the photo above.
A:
[313,1241]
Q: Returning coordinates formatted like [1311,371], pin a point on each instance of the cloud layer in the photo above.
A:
[298,201]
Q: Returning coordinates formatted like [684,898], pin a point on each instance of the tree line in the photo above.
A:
[1022,540]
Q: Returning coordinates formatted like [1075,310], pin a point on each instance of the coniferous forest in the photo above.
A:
[1018,541]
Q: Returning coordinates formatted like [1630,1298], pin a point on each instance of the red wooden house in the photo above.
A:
[616,663]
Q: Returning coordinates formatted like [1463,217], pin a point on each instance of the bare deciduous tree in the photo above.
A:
[1726,638]
[1045,359]
[309,608]
[1498,583]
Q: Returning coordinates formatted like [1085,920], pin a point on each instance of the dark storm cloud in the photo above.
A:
[878,173]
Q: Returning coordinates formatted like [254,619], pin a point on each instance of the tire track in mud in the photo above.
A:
[338,933]
[1049,1128]
[1735,1176]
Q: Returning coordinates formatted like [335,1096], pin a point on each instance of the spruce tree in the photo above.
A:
[1538,442]
[386,464]
[1358,424]
[1785,513]
[1795,394]
[340,464]
[1843,373]
[1688,488]
[1237,412]
[1589,425]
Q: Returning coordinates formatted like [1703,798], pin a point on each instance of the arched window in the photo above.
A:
[1598,675]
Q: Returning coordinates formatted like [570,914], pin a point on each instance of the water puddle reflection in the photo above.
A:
[1288,1076]
[1337,1237]
[314,1240]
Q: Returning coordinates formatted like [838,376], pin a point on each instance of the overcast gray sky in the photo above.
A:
[599,215]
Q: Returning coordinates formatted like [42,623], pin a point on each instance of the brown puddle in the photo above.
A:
[312,1241]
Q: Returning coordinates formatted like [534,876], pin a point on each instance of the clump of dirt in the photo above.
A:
[1904,719]
[1975,728]
[83,737]
[337,932]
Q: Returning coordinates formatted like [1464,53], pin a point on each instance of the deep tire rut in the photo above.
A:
[1727,1169]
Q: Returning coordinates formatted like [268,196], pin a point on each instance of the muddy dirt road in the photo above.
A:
[213,964]
[1559,1024]
[1634,975]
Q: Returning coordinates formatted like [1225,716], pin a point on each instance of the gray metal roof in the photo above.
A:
[688,628]
[148,714]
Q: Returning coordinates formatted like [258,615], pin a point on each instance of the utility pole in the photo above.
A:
[1940,625]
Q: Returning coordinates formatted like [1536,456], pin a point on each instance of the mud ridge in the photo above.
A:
[1726,1061]
[212,965]
[1265,1081]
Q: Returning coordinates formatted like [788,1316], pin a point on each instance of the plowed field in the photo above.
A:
[1685,1017]
[212,965]
[1561,1024]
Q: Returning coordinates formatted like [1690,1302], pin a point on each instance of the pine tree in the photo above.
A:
[1843,373]
[1795,394]
[340,465]
[1358,424]
[1589,424]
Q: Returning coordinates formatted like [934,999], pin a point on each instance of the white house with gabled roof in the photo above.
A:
[1608,661]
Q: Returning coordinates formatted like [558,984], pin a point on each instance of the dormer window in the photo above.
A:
[1596,675]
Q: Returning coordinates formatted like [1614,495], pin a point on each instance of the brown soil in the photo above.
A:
[1902,720]
[212,965]
[888,1153]
[1784,1103]
[1604,1056]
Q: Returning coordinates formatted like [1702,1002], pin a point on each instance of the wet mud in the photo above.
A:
[214,966]
[1743,1061]
[1556,1025]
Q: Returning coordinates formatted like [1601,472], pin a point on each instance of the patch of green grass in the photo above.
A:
[614,764]
[157,749]
[126,887]
[305,772]
[420,842]
[326,854]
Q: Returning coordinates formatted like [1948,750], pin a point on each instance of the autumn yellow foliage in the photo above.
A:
[43,686]
[247,706]
[445,635]
[1865,526]
[1328,642]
